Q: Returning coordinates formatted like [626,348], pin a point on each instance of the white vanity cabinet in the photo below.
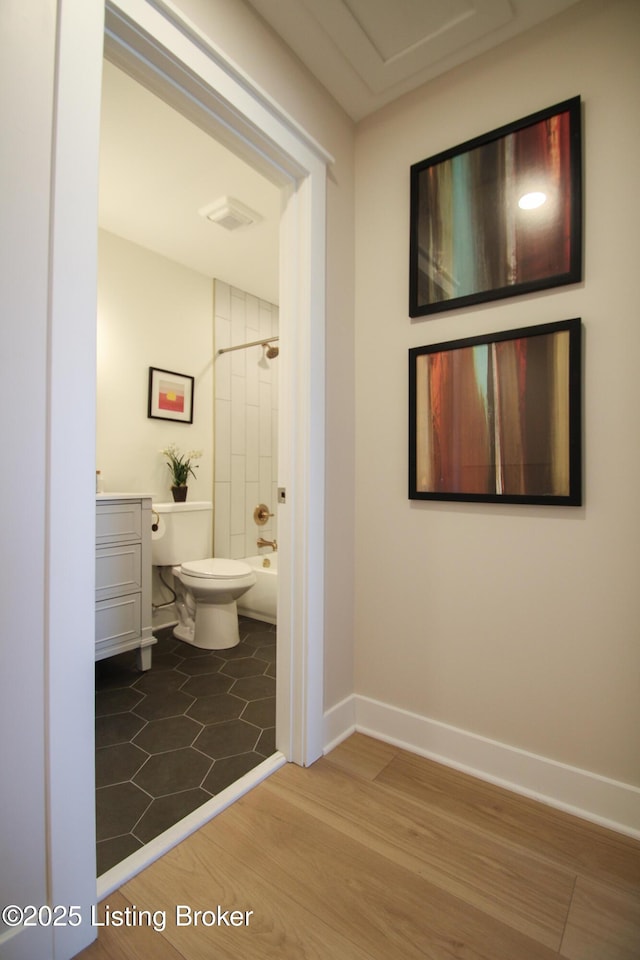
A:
[123,576]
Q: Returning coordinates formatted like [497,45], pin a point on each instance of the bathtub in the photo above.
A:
[260,601]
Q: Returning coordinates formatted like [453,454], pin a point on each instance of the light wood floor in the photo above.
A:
[375,854]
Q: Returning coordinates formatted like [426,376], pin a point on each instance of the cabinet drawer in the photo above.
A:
[117,522]
[118,619]
[118,570]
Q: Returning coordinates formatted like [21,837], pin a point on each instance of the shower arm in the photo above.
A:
[243,346]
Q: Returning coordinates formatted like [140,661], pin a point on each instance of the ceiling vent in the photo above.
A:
[230,213]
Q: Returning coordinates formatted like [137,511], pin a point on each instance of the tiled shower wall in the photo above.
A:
[246,422]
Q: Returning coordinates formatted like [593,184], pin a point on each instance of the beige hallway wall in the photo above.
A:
[518,624]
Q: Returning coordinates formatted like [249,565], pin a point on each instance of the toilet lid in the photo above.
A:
[217,568]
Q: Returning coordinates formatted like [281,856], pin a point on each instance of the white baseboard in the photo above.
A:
[339,723]
[601,800]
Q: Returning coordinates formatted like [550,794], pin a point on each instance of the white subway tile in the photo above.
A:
[237,495]
[222,294]
[252,376]
[223,440]
[252,317]
[222,364]
[265,319]
[238,428]
[252,442]
[222,518]
[252,499]
[265,420]
[265,482]
[237,547]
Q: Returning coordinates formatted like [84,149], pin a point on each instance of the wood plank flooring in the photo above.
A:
[375,854]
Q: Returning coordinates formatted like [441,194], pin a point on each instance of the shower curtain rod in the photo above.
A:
[243,346]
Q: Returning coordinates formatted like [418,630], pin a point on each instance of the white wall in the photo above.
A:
[246,422]
[152,312]
[47,299]
[23,294]
[516,624]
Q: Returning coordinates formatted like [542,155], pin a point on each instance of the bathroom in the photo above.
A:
[160,306]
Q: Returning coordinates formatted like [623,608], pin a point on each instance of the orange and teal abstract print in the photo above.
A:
[494,418]
[472,235]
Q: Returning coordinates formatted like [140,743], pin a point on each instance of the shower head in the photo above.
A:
[272,352]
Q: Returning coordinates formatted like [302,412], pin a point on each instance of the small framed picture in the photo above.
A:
[170,396]
[500,215]
[497,418]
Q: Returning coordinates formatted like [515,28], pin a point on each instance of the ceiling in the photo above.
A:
[157,169]
[369,52]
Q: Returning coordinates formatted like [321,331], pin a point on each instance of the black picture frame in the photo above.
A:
[470,241]
[497,418]
[170,396]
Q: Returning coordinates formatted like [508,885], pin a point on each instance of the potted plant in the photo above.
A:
[180,466]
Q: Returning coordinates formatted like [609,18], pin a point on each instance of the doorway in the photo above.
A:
[296,170]
[175,289]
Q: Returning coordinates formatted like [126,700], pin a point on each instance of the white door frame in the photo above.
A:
[151,41]
[154,44]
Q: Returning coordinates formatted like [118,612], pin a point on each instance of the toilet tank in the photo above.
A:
[184,532]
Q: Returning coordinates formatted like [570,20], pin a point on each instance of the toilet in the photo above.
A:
[206,588]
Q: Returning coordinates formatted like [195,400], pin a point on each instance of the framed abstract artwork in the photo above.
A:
[497,418]
[170,396]
[499,215]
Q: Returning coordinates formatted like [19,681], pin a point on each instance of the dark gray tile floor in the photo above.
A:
[169,739]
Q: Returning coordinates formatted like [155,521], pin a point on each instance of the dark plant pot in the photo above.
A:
[179,493]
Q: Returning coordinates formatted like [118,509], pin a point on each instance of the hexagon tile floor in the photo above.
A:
[169,739]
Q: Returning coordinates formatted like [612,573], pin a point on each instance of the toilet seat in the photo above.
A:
[216,568]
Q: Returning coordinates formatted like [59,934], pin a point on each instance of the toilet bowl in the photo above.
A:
[206,588]
[207,591]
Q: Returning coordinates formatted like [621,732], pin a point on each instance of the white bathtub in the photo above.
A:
[260,601]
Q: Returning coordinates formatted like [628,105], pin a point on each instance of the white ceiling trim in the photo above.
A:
[367,53]
[388,44]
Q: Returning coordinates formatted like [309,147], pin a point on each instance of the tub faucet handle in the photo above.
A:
[261,514]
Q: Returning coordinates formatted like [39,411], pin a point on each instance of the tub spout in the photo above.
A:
[267,543]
